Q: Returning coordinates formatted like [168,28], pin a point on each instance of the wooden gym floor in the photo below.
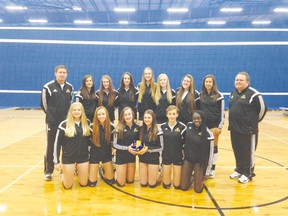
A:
[24,192]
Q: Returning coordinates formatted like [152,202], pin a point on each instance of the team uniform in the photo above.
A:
[185,115]
[154,149]
[55,102]
[89,104]
[102,153]
[214,110]
[160,110]
[74,149]
[110,108]
[215,116]
[198,156]
[147,102]
[125,101]
[246,110]
[129,136]
[173,143]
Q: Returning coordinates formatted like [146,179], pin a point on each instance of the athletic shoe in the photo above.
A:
[211,174]
[48,177]
[235,175]
[244,179]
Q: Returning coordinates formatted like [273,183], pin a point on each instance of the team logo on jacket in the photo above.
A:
[177,130]
[68,91]
[243,97]
[55,90]
[135,130]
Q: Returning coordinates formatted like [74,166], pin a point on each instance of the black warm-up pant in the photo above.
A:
[48,157]
[244,146]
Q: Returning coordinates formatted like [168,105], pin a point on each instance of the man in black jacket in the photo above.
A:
[246,110]
[56,98]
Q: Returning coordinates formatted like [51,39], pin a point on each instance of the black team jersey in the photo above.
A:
[197,152]
[125,101]
[160,110]
[185,115]
[89,104]
[73,148]
[214,110]
[173,141]
[147,102]
[110,109]
[129,136]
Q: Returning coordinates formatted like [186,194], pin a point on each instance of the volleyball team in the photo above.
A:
[180,130]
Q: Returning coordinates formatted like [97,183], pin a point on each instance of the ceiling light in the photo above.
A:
[216,22]
[75,8]
[38,20]
[171,22]
[83,21]
[1,20]
[281,10]
[256,22]
[177,10]
[16,8]
[231,9]
[123,22]
[124,9]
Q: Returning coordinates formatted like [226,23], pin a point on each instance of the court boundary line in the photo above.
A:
[21,176]
[19,139]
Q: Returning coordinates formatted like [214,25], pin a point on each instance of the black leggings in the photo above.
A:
[186,174]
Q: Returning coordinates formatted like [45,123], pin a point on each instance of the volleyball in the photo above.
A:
[138,145]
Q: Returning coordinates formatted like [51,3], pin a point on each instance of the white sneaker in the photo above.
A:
[48,177]
[235,175]
[244,179]
[212,174]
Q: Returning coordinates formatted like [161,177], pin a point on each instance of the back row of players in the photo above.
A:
[150,100]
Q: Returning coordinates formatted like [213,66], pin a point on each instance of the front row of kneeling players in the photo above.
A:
[85,146]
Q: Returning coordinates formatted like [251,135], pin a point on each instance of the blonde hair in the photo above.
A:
[142,85]
[97,125]
[70,130]
[172,107]
[158,89]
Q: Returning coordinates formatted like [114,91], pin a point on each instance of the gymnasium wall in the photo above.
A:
[28,57]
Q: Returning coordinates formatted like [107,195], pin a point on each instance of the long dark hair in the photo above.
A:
[153,133]
[84,91]
[131,87]
[214,90]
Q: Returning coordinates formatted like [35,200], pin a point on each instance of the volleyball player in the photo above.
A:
[172,156]
[212,104]
[146,96]
[198,151]
[128,93]
[187,99]
[87,96]
[149,156]
[107,96]
[100,150]
[164,97]
[126,133]
[73,137]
